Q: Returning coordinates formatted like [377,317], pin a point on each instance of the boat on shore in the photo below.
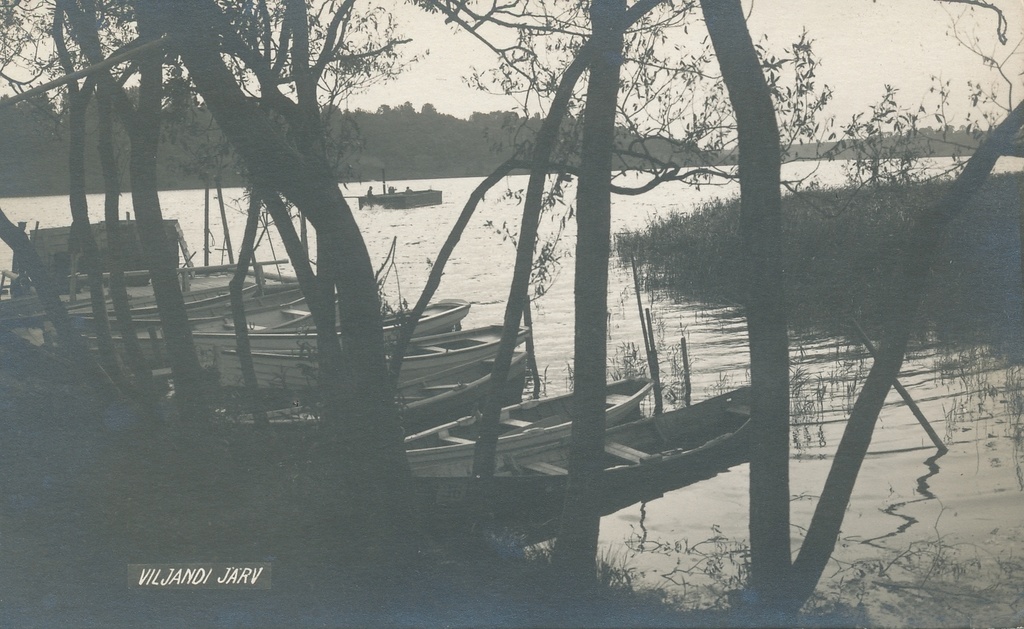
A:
[534,432]
[297,368]
[642,460]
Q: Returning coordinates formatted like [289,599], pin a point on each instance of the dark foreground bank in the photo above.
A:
[87,491]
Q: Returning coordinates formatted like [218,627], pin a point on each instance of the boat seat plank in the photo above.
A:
[432,348]
[162,374]
[455,440]
[621,451]
[616,398]
[515,423]
[547,469]
[295,313]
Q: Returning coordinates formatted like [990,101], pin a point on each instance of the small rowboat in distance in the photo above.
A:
[642,460]
[534,431]
[402,200]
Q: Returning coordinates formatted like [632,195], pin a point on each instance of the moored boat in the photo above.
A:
[295,319]
[534,432]
[297,368]
[430,400]
[642,459]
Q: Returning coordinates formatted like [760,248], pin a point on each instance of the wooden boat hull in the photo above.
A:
[679,448]
[146,306]
[432,400]
[442,396]
[275,326]
[402,200]
[539,431]
[298,369]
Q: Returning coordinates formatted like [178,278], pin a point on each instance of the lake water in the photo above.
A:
[925,542]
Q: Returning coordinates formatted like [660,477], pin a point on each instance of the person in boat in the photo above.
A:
[408,189]
[369,192]
[391,190]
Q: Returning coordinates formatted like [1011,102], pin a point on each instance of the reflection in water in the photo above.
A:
[922,489]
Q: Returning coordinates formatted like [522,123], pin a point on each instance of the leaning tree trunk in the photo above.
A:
[919,253]
[761,229]
[83,242]
[70,342]
[547,138]
[115,261]
[437,269]
[160,252]
[363,421]
[245,259]
[576,546]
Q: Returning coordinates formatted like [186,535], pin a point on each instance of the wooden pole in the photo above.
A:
[224,222]
[531,356]
[911,404]
[206,227]
[648,330]
[652,359]
[686,371]
[640,305]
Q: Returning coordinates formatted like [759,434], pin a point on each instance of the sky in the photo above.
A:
[862,44]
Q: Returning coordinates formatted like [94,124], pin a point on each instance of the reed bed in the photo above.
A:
[842,248]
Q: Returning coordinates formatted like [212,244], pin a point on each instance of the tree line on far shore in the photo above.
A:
[399,142]
[393,142]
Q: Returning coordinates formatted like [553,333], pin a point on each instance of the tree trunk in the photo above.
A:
[761,229]
[924,238]
[547,137]
[71,342]
[115,264]
[82,242]
[161,255]
[576,546]
[361,418]
[245,257]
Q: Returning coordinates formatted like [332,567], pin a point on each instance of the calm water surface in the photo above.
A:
[940,539]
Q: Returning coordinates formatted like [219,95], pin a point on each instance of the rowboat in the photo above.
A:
[297,368]
[430,400]
[437,397]
[533,431]
[146,305]
[642,459]
[263,313]
[402,200]
[295,319]
[149,330]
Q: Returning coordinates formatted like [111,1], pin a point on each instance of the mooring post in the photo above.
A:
[655,368]
[652,360]
[686,371]
[911,404]
[206,227]
[531,356]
